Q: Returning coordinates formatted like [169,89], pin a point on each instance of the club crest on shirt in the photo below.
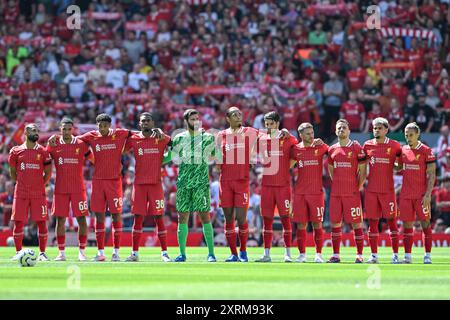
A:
[316,152]
[388,151]
[77,151]
[350,154]
[417,157]
[38,157]
[281,142]
[113,137]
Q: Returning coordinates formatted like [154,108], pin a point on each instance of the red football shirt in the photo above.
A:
[345,161]
[149,154]
[414,163]
[237,150]
[381,158]
[107,152]
[352,113]
[310,166]
[290,117]
[276,159]
[69,160]
[443,195]
[29,164]
[356,78]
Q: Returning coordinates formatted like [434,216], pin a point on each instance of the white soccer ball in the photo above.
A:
[10,242]
[28,258]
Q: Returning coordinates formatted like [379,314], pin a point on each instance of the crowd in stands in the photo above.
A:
[311,60]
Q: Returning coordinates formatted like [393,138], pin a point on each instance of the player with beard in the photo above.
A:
[192,150]
[30,169]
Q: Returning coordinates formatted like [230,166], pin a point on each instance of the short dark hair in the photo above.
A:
[146,115]
[272,115]
[66,120]
[103,117]
[230,111]
[188,113]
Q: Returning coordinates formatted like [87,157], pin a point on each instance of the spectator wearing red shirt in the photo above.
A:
[356,76]
[443,201]
[416,54]
[395,117]
[399,90]
[354,113]
[373,114]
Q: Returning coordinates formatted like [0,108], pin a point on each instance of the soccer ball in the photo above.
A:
[27,258]
[10,242]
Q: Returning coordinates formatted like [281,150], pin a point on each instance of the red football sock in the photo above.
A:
[82,241]
[162,233]
[61,240]
[336,235]
[43,235]
[427,239]
[100,235]
[373,235]
[359,239]
[137,231]
[408,239]
[287,231]
[268,232]
[230,234]
[394,234]
[18,235]
[243,236]
[117,232]
[301,240]
[318,239]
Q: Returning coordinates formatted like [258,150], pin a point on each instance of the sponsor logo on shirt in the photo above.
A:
[374,160]
[62,161]
[32,166]
[142,151]
[407,166]
[342,165]
[99,147]
[231,146]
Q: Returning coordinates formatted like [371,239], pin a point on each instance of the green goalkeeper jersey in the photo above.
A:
[192,153]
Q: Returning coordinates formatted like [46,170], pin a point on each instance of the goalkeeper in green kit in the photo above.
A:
[192,151]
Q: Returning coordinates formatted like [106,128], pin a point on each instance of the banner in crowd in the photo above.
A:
[141,26]
[38,41]
[396,65]
[104,15]
[248,89]
[388,32]
[339,9]
[199,2]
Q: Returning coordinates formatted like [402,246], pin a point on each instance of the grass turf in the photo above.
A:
[197,279]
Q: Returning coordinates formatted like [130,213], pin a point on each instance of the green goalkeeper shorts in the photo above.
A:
[194,200]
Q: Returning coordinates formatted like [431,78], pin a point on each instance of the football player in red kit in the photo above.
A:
[148,194]
[69,156]
[308,204]
[418,164]
[236,145]
[30,169]
[379,197]
[347,168]
[276,183]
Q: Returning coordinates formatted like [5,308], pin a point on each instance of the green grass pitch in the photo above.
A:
[197,279]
